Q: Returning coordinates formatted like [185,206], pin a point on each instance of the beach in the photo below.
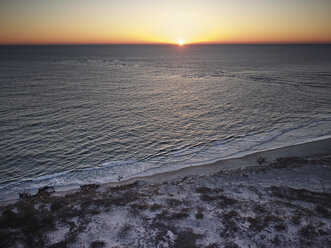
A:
[165,124]
[274,198]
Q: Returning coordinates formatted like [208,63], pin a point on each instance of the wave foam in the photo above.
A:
[231,147]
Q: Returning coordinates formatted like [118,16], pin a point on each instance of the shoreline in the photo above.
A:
[311,148]
[282,202]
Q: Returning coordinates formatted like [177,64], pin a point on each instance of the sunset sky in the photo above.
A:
[164,21]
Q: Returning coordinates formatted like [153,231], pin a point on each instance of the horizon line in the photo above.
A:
[170,44]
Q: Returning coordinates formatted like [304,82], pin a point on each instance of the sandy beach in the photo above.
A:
[275,198]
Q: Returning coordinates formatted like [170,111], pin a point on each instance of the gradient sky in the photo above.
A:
[164,21]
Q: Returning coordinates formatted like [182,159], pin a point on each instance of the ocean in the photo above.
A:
[73,115]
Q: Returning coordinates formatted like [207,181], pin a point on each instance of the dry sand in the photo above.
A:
[284,201]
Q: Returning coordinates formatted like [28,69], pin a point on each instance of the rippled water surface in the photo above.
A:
[81,114]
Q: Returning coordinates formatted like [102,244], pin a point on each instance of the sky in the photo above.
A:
[164,21]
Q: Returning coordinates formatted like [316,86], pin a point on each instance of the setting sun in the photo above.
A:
[164,22]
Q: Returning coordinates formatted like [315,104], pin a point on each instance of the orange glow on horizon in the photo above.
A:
[163,22]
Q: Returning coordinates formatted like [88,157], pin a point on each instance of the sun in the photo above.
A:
[180,42]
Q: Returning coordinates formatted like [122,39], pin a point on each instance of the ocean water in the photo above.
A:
[72,115]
